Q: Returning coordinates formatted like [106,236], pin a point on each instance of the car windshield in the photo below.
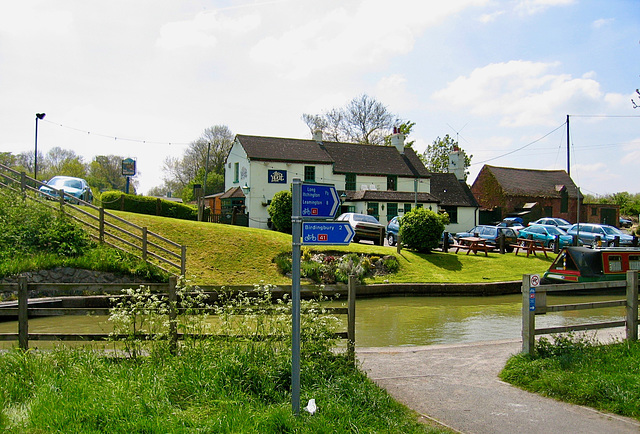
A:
[610,230]
[61,182]
[552,230]
[364,218]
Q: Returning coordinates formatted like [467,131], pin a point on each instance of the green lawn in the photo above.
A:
[220,254]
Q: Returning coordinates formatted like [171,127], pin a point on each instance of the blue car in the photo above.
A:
[75,189]
[589,233]
[393,228]
[547,235]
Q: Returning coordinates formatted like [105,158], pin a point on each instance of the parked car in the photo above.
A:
[491,234]
[366,227]
[589,232]
[514,223]
[561,223]
[624,223]
[393,228]
[547,235]
[78,188]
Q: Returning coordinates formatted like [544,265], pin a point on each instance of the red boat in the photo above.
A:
[581,264]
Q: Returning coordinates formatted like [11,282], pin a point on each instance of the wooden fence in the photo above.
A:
[534,302]
[29,308]
[103,226]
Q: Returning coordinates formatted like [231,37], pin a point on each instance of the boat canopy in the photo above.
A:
[587,261]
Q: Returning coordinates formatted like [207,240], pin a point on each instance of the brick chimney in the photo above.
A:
[397,140]
[317,136]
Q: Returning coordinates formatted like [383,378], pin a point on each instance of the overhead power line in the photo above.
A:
[149,142]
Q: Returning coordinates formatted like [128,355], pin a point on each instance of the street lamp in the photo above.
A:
[39,116]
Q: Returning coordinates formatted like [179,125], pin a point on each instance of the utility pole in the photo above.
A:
[568,144]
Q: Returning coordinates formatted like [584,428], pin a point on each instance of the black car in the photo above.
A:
[492,234]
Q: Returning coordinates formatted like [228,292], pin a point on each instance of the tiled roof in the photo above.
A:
[375,160]
[450,191]
[390,196]
[280,149]
[345,157]
[531,182]
[233,192]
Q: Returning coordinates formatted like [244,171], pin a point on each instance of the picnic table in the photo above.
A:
[473,244]
[530,246]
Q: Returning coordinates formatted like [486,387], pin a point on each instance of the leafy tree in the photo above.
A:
[421,229]
[60,161]
[105,173]
[280,211]
[436,156]
[363,120]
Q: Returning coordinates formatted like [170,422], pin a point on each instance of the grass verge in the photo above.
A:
[580,371]
[220,254]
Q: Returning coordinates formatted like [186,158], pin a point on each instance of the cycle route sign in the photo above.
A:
[329,233]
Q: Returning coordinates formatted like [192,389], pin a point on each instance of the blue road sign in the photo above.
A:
[319,201]
[327,233]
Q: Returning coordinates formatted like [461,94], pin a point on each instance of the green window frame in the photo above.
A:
[310,173]
[392,210]
[350,181]
[392,183]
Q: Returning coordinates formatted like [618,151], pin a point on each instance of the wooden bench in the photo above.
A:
[473,244]
[530,246]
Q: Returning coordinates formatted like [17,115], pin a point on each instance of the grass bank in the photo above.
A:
[580,371]
[226,255]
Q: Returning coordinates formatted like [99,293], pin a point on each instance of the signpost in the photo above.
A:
[319,201]
[327,233]
[128,169]
[310,202]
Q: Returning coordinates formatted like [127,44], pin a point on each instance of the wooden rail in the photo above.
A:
[534,302]
[24,312]
[103,226]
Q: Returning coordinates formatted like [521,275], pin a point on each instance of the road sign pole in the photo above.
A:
[296,230]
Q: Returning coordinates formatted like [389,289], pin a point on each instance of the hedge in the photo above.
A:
[147,205]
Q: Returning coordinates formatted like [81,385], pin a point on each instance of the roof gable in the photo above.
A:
[531,182]
[450,191]
[279,149]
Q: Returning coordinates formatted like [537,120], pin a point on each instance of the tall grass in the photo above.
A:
[239,382]
[578,370]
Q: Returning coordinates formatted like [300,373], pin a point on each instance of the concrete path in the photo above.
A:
[458,386]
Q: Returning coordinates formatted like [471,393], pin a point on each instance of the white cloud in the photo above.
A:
[529,7]
[488,18]
[520,92]
[602,22]
[204,30]
[345,37]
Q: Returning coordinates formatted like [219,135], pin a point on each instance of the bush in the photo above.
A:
[27,227]
[280,211]
[421,229]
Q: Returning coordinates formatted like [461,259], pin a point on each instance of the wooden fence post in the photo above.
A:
[101,224]
[23,313]
[399,243]
[173,315]
[351,318]
[528,318]
[632,305]
[144,243]
[23,183]
[183,261]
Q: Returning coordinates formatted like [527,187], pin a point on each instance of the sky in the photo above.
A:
[142,79]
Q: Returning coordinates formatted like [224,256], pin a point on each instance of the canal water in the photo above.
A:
[402,321]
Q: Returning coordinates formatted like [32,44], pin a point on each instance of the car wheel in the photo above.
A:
[523,244]
[391,240]
[552,245]
[611,243]
[356,239]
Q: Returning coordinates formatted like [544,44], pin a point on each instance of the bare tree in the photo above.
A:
[182,173]
[363,120]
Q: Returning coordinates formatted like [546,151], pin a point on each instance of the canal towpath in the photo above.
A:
[457,385]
